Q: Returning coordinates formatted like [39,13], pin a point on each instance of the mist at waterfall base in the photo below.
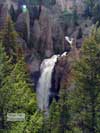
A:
[44,83]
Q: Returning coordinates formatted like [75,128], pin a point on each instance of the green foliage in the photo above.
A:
[75,17]
[19,87]
[8,36]
[93,7]
[77,111]
[96,15]
[54,120]
[5,69]
[90,3]
[4,61]
[22,100]
[16,93]
[49,3]
[35,123]
[65,19]
[58,119]
[68,19]
[13,14]
[84,104]
[35,2]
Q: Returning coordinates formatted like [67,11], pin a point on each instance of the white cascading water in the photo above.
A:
[44,82]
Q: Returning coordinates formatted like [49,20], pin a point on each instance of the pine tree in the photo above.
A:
[59,116]
[19,90]
[96,16]
[90,4]
[16,93]
[8,36]
[22,99]
[5,66]
[84,99]
[51,123]
[64,112]
[13,13]
[75,14]
[5,69]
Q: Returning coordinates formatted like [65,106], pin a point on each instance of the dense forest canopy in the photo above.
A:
[50,66]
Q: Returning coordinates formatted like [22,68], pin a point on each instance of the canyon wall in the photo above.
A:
[41,28]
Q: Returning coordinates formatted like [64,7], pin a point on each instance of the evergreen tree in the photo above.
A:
[75,14]
[5,66]
[5,69]
[34,125]
[20,94]
[59,117]
[13,13]
[64,112]
[96,16]
[22,99]
[84,99]
[17,96]
[51,122]
[90,5]
[8,36]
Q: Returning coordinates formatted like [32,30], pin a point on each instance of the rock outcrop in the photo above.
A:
[63,73]
[42,34]
[23,26]
[47,33]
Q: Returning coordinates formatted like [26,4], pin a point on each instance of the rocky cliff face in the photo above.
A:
[62,74]
[48,34]
[22,26]
[42,33]
[42,30]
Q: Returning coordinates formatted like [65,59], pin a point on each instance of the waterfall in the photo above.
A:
[44,83]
